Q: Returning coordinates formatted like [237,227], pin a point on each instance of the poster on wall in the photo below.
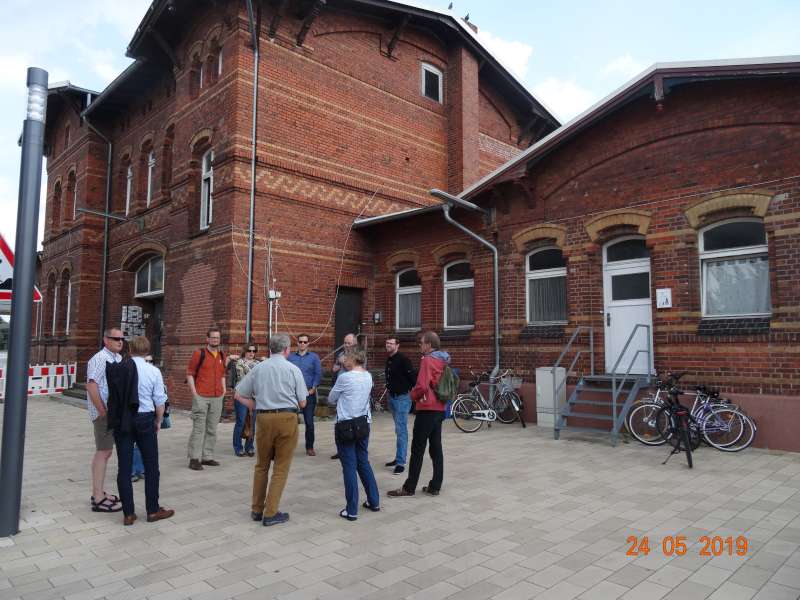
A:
[132,321]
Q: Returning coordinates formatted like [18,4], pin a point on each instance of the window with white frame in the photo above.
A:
[74,200]
[207,190]
[55,309]
[459,285]
[128,189]
[546,286]
[219,62]
[734,269]
[202,75]
[69,306]
[408,300]
[151,171]
[431,82]
[150,278]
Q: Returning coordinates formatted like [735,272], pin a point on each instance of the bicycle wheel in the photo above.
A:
[668,428]
[641,423]
[462,409]
[729,430]
[503,405]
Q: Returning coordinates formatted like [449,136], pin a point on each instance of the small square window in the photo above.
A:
[431,82]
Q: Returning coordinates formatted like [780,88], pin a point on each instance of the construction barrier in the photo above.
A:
[45,379]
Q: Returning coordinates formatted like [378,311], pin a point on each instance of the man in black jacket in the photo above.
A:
[400,378]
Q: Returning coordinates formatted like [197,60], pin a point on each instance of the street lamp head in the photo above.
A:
[37,94]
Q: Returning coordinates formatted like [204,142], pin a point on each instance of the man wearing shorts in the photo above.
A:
[97,401]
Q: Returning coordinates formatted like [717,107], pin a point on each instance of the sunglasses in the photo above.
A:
[251,349]
[116,339]
[302,341]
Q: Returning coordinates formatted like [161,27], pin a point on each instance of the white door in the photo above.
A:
[626,293]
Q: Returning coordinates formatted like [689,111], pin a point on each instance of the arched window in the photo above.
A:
[128,189]
[195,76]
[64,294]
[546,286]
[219,62]
[459,287]
[51,295]
[207,190]
[408,300]
[150,278]
[70,198]
[166,162]
[151,171]
[55,210]
[734,269]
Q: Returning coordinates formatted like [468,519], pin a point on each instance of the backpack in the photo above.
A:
[200,362]
[447,386]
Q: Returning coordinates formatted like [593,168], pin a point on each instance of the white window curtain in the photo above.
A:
[737,286]
[459,307]
[547,299]
[409,313]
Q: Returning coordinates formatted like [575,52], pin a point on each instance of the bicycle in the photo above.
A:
[675,424]
[471,410]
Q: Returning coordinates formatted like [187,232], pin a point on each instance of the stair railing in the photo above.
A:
[557,387]
[616,390]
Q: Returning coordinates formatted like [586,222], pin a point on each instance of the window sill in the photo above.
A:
[455,334]
[549,330]
[733,326]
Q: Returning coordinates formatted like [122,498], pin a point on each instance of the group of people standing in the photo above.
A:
[126,402]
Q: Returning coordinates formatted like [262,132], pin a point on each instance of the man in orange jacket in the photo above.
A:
[428,420]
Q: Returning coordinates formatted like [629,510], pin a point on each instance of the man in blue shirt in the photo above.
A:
[309,364]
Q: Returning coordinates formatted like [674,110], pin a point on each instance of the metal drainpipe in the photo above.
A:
[103,277]
[256,57]
[495,265]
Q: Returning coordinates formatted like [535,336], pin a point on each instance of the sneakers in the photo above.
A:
[276,519]
[392,464]
[344,515]
[398,469]
[194,464]
[369,506]
[399,493]
[137,477]
[256,516]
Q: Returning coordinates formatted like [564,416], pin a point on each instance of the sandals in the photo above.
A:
[344,515]
[106,505]
[368,506]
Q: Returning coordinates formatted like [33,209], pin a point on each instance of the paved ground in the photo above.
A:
[520,516]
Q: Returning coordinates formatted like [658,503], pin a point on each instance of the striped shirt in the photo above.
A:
[96,371]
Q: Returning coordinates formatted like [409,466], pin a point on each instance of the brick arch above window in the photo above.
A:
[195,51]
[726,204]
[201,139]
[637,219]
[452,251]
[147,141]
[65,266]
[126,153]
[524,238]
[401,260]
[141,253]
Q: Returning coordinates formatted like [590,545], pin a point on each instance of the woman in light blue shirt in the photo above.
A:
[351,394]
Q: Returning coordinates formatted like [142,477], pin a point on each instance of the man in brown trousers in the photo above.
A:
[275,389]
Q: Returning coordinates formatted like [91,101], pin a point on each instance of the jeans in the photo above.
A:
[144,435]
[241,414]
[138,466]
[427,432]
[355,459]
[308,417]
[400,406]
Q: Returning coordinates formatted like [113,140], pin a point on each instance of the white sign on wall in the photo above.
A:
[664,298]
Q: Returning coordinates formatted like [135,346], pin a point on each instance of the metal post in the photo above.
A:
[251,231]
[19,345]
[591,348]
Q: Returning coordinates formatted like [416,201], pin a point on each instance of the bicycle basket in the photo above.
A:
[511,382]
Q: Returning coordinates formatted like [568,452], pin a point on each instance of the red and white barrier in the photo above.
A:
[45,379]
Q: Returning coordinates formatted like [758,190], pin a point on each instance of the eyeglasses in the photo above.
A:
[302,341]
[116,339]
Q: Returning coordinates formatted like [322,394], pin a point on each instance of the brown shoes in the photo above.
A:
[399,493]
[129,519]
[311,452]
[209,463]
[194,465]
[163,513]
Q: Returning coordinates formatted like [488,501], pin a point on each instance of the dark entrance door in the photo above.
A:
[155,329]
[348,313]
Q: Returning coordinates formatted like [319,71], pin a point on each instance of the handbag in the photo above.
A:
[166,422]
[351,430]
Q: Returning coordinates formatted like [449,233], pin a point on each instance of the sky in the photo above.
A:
[569,53]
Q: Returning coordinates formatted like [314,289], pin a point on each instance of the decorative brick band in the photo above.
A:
[542,331]
[540,232]
[726,327]
[636,218]
[757,202]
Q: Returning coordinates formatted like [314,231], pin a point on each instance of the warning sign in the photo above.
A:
[7,274]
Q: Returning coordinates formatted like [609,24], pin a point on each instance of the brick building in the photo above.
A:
[362,107]
[683,185]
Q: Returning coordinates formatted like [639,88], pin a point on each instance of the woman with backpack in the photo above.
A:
[245,427]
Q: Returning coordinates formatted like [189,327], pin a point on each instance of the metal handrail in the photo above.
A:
[557,388]
[615,391]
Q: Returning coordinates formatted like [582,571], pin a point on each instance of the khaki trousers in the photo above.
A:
[276,439]
[205,418]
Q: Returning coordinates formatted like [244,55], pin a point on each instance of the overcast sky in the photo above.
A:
[569,53]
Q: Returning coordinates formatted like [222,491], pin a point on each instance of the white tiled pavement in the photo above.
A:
[520,516]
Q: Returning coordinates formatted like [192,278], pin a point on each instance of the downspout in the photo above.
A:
[103,277]
[256,56]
